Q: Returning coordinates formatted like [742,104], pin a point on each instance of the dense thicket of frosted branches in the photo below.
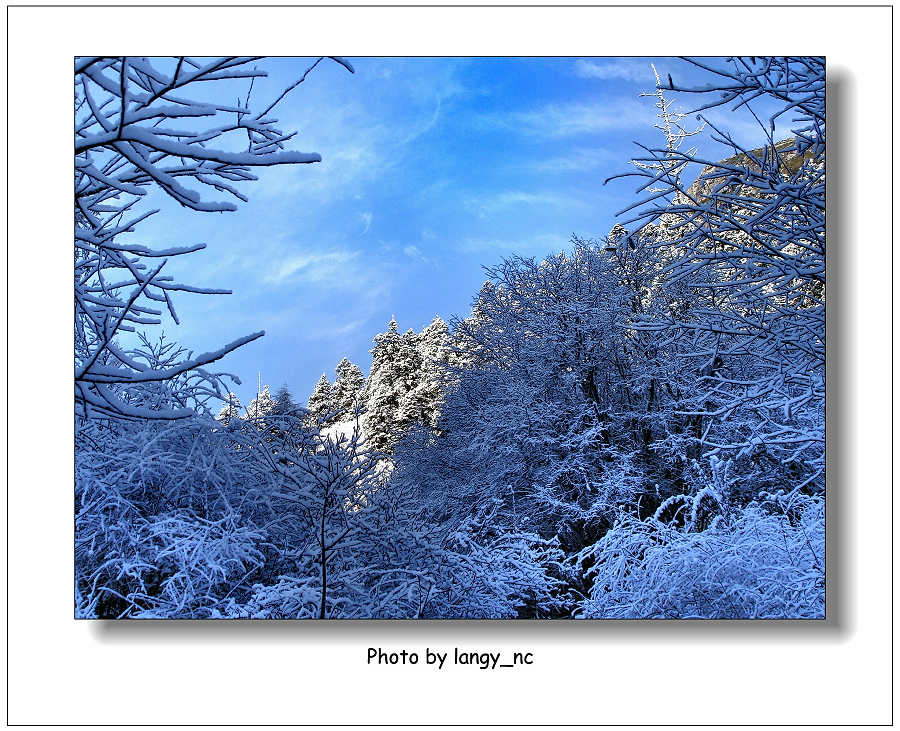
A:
[177,519]
[747,240]
[653,403]
[630,428]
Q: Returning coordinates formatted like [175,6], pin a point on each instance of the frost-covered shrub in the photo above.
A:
[170,519]
[502,578]
[291,597]
[763,562]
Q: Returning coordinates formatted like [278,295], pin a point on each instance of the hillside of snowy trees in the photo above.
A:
[630,428]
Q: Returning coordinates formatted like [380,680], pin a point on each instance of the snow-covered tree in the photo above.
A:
[434,343]
[348,386]
[749,242]
[763,562]
[555,393]
[170,519]
[396,370]
[284,403]
[231,409]
[326,486]
[423,403]
[743,250]
[260,406]
[321,404]
[143,125]
[380,398]
[670,122]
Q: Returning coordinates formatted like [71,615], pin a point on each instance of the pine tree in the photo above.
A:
[434,344]
[284,402]
[422,403]
[231,409]
[381,402]
[396,370]
[409,361]
[261,406]
[348,386]
[321,402]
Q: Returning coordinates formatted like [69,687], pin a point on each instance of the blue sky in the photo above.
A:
[431,168]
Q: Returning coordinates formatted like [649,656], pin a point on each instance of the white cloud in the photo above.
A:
[336,331]
[324,295]
[575,118]
[428,89]
[515,197]
[580,160]
[490,205]
[637,71]
[311,267]
[536,245]
[423,127]
[367,221]
[414,252]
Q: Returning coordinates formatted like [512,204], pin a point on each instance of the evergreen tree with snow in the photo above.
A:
[285,413]
[284,403]
[261,406]
[435,349]
[408,365]
[348,386]
[434,344]
[321,402]
[422,402]
[381,403]
[231,409]
[396,370]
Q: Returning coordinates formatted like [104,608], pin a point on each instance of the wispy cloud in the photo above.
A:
[440,95]
[311,267]
[575,118]
[535,245]
[616,70]
[490,205]
[577,161]
[516,197]
[357,141]
[415,253]
[367,221]
[326,295]
[335,331]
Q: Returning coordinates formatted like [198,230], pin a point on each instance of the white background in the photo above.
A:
[63,671]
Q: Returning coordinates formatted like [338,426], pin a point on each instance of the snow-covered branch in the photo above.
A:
[124,146]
